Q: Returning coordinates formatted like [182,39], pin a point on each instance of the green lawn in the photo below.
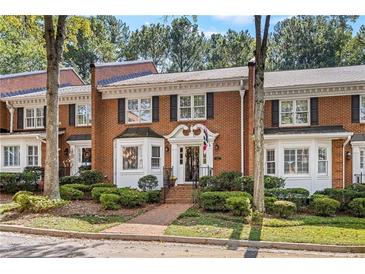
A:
[85,223]
[301,229]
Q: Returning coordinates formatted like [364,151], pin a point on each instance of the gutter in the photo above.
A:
[344,159]
[242,93]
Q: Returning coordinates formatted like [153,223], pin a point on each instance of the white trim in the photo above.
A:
[192,106]
[338,135]
[76,115]
[139,110]
[35,117]
[294,112]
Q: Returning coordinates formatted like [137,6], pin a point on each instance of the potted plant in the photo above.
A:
[172,181]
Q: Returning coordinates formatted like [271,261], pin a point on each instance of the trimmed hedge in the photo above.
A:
[239,205]
[357,207]
[216,200]
[101,185]
[269,204]
[97,191]
[81,187]
[70,193]
[325,206]
[90,177]
[132,197]
[67,180]
[14,182]
[148,182]
[284,209]
[298,196]
[110,201]
[153,196]
[344,196]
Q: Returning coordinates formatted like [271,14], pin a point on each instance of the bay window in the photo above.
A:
[32,155]
[294,112]
[192,107]
[322,161]
[139,110]
[83,115]
[155,157]
[296,161]
[11,156]
[34,117]
[132,157]
[270,162]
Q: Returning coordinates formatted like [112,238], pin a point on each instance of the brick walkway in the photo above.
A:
[153,222]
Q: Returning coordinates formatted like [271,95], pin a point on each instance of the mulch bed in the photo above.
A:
[5,198]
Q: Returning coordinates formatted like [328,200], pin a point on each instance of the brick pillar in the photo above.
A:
[337,166]
[249,121]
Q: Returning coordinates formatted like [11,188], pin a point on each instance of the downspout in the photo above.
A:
[344,159]
[11,111]
[242,94]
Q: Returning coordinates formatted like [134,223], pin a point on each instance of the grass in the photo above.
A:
[301,229]
[80,223]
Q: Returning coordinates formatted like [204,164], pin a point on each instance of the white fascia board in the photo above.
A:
[22,136]
[79,142]
[339,135]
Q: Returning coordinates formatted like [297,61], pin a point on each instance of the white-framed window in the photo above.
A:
[192,107]
[132,157]
[296,161]
[362,109]
[139,110]
[34,117]
[32,156]
[322,161]
[270,161]
[11,156]
[156,157]
[83,115]
[294,112]
[362,158]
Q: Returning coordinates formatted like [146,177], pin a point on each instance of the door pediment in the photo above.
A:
[178,136]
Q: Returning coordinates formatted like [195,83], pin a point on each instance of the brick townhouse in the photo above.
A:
[143,122]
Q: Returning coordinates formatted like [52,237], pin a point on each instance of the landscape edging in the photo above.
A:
[180,239]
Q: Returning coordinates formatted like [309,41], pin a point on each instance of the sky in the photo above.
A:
[217,23]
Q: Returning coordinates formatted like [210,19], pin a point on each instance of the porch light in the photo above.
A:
[216,146]
[167,149]
[348,155]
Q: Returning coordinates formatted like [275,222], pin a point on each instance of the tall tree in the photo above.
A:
[54,37]
[260,57]
[187,45]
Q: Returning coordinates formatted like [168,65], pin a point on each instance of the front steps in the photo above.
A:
[180,194]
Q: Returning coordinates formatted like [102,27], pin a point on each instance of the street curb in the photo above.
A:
[179,239]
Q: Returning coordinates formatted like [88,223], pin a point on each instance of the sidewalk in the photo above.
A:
[153,222]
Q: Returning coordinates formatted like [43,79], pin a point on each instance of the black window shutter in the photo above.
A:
[210,105]
[121,110]
[173,107]
[71,114]
[314,111]
[355,106]
[275,113]
[155,108]
[45,116]
[20,118]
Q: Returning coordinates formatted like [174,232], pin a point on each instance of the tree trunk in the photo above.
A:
[260,56]
[54,48]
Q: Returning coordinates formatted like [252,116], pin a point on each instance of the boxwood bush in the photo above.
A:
[357,207]
[239,205]
[90,177]
[101,185]
[14,182]
[97,191]
[69,193]
[324,206]
[148,182]
[110,201]
[81,187]
[153,196]
[284,209]
[132,197]
[299,196]
[269,204]
[216,200]
[66,180]
[344,196]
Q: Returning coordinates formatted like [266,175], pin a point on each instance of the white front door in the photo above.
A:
[82,157]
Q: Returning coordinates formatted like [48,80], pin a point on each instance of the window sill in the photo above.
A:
[192,120]
[132,171]
[89,125]
[295,125]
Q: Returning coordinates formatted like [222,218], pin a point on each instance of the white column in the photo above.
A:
[174,159]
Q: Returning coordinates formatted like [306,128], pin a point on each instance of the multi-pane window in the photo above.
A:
[11,156]
[270,161]
[34,117]
[155,157]
[139,110]
[191,107]
[294,112]
[181,157]
[132,157]
[322,160]
[362,159]
[296,161]
[83,115]
[32,155]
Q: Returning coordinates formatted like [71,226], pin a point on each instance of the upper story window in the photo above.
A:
[192,107]
[362,108]
[34,117]
[294,112]
[139,110]
[83,115]
[11,156]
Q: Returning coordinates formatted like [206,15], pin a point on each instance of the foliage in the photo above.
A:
[284,209]
[226,181]
[240,206]
[246,182]
[344,196]
[14,182]
[357,207]
[97,191]
[269,203]
[4,208]
[110,201]
[101,185]
[216,200]
[148,182]
[81,187]
[37,170]
[357,187]
[325,206]
[298,196]
[19,193]
[153,196]
[32,203]
[90,177]
[132,197]
[66,180]
[70,193]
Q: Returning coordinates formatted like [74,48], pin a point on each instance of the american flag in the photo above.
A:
[205,141]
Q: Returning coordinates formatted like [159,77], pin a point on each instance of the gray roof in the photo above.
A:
[359,137]
[27,73]
[305,130]
[213,74]
[79,137]
[98,65]
[139,132]
[319,76]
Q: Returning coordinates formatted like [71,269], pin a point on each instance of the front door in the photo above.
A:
[361,176]
[83,157]
[192,155]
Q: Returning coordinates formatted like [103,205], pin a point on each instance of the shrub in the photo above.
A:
[153,196]
[101,185]
[357,187]
[239,205]
[324,206]
[19,193]
[83,168]
[148,182]
[132,197]
[67,180]
[33,203]
[269,203]
[9,207]
[344,196]
[14,182]
[90,177]
[70,193]
[110,201]
[316,196]
[357,207]
[97,191]
[245,183]
[284,209]
[298,196]
[81,187]
[216,200]
[273,182]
